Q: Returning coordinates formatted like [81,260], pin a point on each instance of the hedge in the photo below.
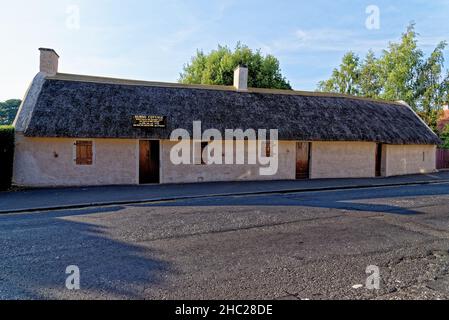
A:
[6,156]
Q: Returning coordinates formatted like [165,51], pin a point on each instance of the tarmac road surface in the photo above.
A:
[313,245]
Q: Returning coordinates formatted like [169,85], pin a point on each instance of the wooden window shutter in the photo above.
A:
[84,153]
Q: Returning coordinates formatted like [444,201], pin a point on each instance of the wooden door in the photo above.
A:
[302,160]
[379,160]
[149,162]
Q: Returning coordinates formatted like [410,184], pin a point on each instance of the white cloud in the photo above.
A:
[336,40]
[325,40]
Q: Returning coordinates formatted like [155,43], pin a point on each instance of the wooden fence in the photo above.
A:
[442,158]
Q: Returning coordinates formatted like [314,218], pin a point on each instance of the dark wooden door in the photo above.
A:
[302,160]
[149,162]
[379,160]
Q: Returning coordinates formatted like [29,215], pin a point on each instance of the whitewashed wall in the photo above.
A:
[343,160]
[47,162]
[171,173]
[410,159]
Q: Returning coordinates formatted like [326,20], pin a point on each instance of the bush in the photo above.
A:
[6,156]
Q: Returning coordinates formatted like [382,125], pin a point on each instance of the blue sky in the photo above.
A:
[151,40]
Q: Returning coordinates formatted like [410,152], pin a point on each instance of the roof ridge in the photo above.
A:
[121,81]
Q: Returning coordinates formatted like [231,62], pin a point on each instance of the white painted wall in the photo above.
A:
[48,162]
[343,160]
[171,173]
[410,159]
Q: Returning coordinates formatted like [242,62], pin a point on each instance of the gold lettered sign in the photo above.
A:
[149,122]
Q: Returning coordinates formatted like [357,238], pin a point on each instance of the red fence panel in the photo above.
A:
[442,158]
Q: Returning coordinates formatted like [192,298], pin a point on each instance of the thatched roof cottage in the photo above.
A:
[83,130]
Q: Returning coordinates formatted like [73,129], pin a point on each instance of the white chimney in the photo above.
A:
[241,78]
[49,61]
[446,107]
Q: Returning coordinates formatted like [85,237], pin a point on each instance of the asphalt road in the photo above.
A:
[314,245]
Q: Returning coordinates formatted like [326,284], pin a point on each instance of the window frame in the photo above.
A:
[84,162]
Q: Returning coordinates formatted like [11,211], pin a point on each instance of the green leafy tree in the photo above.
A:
[370,77]
[217,68]
[402,72]
[431,88]
[400,65]
[346,78]
[8,111]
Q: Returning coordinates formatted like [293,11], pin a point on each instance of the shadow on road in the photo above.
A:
[32,267]
[352,199]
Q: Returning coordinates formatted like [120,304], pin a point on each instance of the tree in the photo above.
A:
[8,111]
[431,88]
[370,77]
[346,78]
[401,73]
[217,68]
[400,65]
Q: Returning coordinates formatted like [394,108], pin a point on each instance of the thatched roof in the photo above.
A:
[87,107]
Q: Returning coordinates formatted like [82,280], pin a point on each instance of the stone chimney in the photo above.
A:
[49,61]
[241,78]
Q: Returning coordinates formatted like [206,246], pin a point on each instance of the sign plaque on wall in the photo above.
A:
[149,122]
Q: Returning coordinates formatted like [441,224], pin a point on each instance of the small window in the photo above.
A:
[204,146]
[84,153]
